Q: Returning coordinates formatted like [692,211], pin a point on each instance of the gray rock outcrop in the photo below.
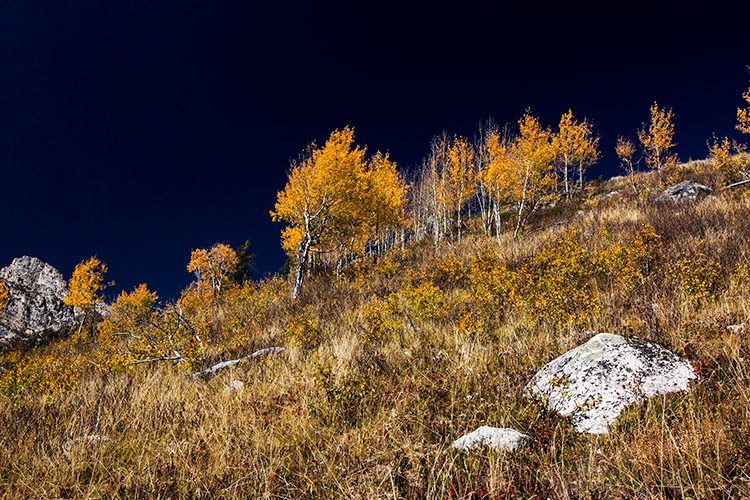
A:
[685,191]
[596,381]
[34,312]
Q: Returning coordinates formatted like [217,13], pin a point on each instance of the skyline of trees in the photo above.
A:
[338,204]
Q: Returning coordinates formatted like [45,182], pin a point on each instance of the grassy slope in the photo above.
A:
[367,415]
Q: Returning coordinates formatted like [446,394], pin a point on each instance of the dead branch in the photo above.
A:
[211,370]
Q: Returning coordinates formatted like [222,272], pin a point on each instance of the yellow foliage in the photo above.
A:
[493,284]
[137,331]
[657,139]
[380,320]
[522,172]
[4,295]
[449,270]
[697,276]
[425,300]
[389,266]
[727,159]
[386,196]
[47,372]
[625,150]
[558,284]
[743,115]
[85,284]
[130,316]
[303,331]
[213,267]
[335,201]
[574,145]
[629,265]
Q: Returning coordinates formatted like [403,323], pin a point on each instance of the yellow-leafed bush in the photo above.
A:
[26,373]
[379,319]
[303,331]
[558,285]
[449,271]
[696,276]
[426,300]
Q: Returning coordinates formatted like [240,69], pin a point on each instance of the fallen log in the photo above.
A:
[212,370]
[740,183]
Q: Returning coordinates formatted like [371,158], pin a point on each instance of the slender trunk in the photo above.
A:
[498,227]
[522,204]
[458,218]
[303,251]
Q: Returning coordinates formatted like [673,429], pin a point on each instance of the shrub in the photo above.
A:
[559,283]
[697,277]
[48,372]
[425,300]
[379,318]
[137,331]
[449,271]
[630,264]
[343,396]
[303,331]
[493,285]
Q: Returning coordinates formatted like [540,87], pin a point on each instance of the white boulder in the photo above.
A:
[596,381]
[499,438]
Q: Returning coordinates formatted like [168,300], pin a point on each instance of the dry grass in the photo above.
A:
[375,419]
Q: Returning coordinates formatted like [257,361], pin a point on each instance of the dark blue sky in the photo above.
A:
[138,131]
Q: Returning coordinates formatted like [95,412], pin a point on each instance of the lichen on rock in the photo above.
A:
[596,381]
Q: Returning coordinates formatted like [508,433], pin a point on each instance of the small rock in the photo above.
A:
[736,328]
[71,446]
[236,385]
[498,438]
[596,381]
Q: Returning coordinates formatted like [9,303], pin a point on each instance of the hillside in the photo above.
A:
[392,357]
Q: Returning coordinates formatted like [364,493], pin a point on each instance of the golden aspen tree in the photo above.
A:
[575,145]
[727,159]
[461,179]
[84,288]
[657,139]
[387,197]
[625,150]
[522,172]
[534,152]
[500,174]
[213,268]
[481,163]
[137,331]
[743,115]
[323,193]
[130,314]
[567,142]
[436,199]
[85,285]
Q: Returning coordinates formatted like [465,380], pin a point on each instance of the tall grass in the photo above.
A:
[371,410]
